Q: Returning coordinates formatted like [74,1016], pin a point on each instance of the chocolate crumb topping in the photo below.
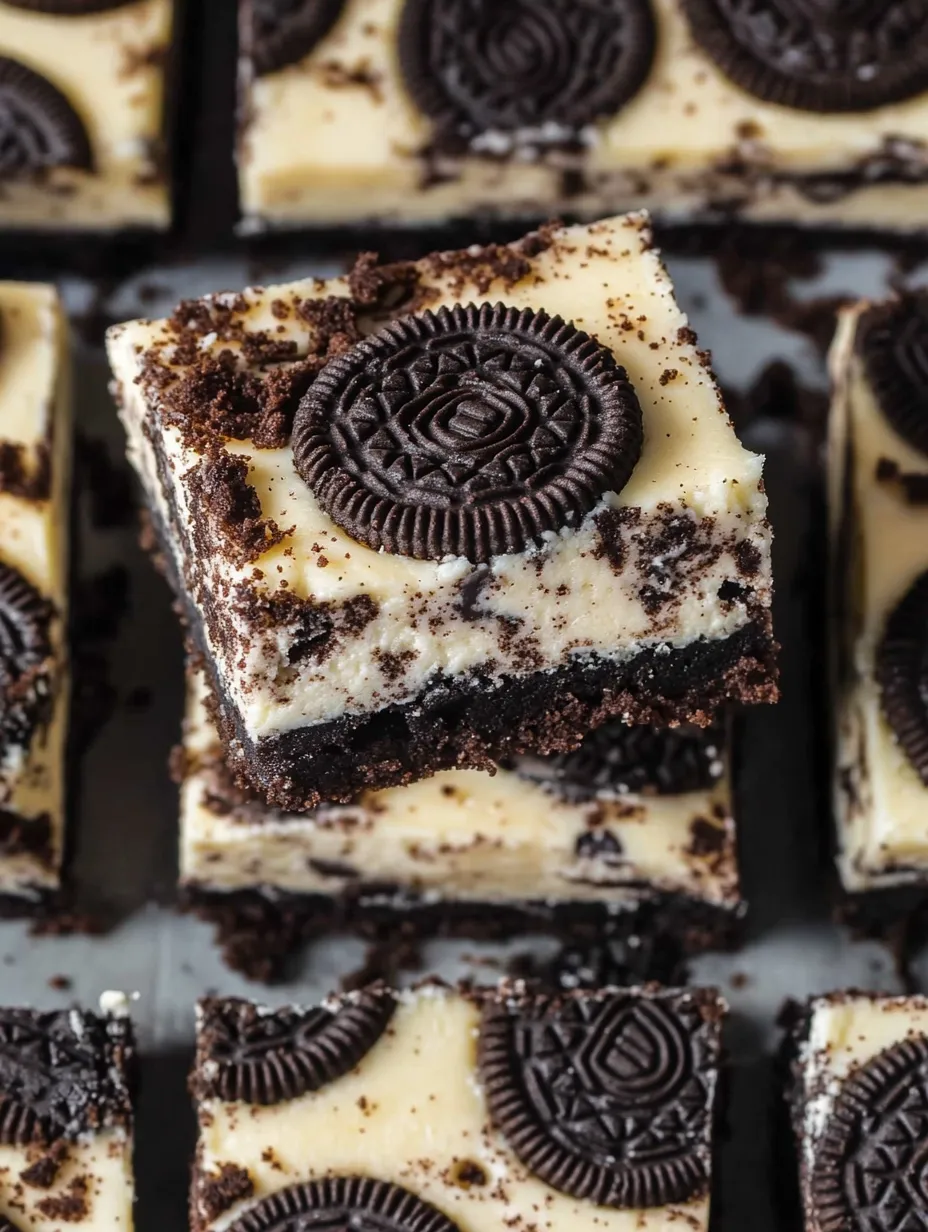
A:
[468,432]
[219,487]
[71,1206]
[43,1173]
[218,1191]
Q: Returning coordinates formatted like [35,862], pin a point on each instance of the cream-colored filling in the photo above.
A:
[881,801]
[845,1032]
[609,281]
[35,404]
[410,1112]
[98,1168]
[460,835]
[360,146]
[111,68]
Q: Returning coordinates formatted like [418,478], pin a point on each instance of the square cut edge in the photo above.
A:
[420,665]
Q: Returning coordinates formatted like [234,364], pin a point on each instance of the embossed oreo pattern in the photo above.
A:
[39,128]
[278,33]
[892,341]
[544,67]
[902,673]
[358,1203]
[59,1082]
[817,55]
[266,1057]
[24,653]
[606,1098]
[616,758]
[869,1172]
[467,432]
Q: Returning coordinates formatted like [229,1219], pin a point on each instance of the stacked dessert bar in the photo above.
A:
[439,521]
[414,111]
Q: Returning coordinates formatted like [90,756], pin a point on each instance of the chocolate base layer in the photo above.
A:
[259,932]
[475,722]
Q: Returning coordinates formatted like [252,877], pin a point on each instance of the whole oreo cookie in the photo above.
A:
[467,432]
[817,55]
[277,33]
[68,8]
[56,1081]
[902,674]
[39,128]
[619,759]
[605,1098]
[267,1058]
[358,1203]
[480,65]
[24,651]
[868,1174]
[892,341]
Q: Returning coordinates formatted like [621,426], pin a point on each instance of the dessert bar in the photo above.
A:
[83,114]
[455,1110]
[858,1097]
[66,1093]
[431,515]
[35,459]
[878,455]
[417,111]
[634,830]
